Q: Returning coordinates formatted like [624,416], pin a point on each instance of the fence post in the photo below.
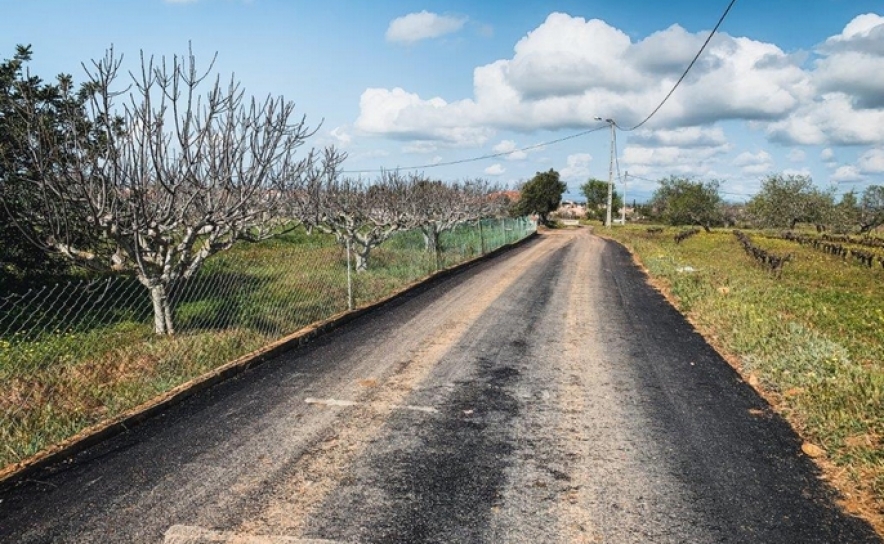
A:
[349,280]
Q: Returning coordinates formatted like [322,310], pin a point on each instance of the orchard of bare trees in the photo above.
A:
[152,172]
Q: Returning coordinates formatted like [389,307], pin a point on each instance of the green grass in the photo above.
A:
[814,336]
[75,354]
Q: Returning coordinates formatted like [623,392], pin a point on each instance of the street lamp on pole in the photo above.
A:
[611,123]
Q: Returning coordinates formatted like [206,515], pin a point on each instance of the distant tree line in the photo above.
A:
[782,202]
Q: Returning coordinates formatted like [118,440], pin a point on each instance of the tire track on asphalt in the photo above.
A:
[211,461]
[443,479]
[577,522]
[538,479]
[628,485]
[322,468]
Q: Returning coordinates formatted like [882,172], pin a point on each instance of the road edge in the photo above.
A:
[831,473]
[14,473]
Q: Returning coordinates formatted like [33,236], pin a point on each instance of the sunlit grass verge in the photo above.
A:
[72,362]
[813,338]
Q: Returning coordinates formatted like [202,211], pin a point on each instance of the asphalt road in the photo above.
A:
[545,395]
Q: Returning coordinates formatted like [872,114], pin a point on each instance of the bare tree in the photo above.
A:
[439,207]
[309,199]
[485,199]
[360,215]
[165,177]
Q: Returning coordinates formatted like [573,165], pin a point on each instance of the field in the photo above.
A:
[79,352]
[809,336]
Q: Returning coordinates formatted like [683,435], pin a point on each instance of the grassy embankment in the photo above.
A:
[812,340]
[68,364]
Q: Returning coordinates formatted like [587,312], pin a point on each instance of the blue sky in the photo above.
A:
[788,86]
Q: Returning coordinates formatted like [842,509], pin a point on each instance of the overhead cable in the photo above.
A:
[480,158]
[569,137]
[683,75]
[658,180]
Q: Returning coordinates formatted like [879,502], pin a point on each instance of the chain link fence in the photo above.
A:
[75,353]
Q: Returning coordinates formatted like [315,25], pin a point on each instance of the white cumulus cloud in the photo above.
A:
[495,169]
[420,147]
[833,119]
[681,137]
[846,103]
[755,163]
[846,174]
[577,168]
[569,70]
[862,33]
[872,161]
[402,115]
[415,27]
[341,136]
[509,146]
[689,151]
[805,172]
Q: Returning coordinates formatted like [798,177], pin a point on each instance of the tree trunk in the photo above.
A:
[362,258]
[430,239]
[431,243]
[162,309]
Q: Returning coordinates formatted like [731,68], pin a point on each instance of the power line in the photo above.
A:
[570,137]
[688,69]
[722,192]
[643,179]
[480,158]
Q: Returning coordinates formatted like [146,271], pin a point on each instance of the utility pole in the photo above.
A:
[611,123]
[623,207]
[610,174]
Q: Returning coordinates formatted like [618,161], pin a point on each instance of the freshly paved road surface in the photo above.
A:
[547,395]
